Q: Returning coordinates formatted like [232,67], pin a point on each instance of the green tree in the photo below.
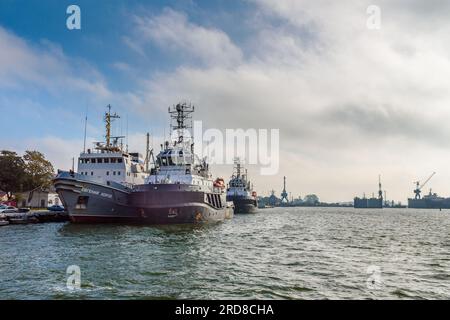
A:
[12,172]
[38,170]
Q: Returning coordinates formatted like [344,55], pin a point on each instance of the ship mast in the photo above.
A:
[180,113]
[147,152]
[237,162]
[108,118]
[108,145]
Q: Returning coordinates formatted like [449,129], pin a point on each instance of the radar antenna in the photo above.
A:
[181,114]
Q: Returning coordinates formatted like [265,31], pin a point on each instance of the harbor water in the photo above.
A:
[279,253]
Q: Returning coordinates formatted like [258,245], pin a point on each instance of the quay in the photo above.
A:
[33,217]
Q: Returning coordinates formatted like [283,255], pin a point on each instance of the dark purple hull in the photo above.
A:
[88,202]
[177,203]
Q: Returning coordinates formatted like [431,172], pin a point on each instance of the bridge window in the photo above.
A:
[119,160]
[106,160]
[99,160]
[113,160]
[107,173]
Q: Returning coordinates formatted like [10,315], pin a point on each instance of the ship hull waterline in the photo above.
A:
[105,204]
[244,205]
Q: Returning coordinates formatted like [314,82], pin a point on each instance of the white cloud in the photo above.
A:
[172,31]
[350,102]
[25,66]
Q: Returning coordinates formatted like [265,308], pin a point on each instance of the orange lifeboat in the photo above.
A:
[219,183]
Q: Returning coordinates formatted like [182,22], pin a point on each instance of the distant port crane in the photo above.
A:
[284,194]
[420,186]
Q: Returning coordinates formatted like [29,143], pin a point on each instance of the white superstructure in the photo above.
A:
[239,185]
[105,166]
[177,163]
[107,161]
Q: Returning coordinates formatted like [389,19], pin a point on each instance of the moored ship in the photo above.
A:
[429,201]
[241,192]
[104,177]
[179,189]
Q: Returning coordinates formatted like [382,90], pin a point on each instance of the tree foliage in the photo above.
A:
[25,173]
[12,171]
[312,199]
[38,170]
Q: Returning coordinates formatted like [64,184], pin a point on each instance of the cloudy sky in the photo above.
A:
[350,102]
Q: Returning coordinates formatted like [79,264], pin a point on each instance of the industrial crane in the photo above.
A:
[420,186]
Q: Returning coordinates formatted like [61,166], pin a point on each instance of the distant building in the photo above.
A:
[39,198]
[53,199]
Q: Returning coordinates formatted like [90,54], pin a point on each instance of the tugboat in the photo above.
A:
[180,188]
[103,180]
[240,191]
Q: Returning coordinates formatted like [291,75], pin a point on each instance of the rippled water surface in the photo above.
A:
[282,253]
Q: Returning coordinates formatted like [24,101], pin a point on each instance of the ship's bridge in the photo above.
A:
[175,157]
[238,187]
[102,166]
[237,183]
[180,165]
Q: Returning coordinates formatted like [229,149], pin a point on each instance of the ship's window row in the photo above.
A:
[102,160]
[86,173]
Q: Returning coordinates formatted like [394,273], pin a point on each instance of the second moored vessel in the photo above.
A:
[241,192]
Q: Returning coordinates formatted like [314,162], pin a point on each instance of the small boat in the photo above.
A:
[18,220]
[4,223]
